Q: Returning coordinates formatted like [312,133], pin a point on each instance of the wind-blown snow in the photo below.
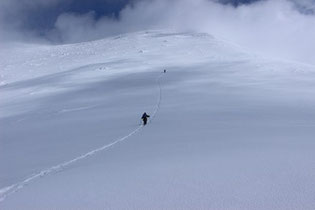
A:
[231,130]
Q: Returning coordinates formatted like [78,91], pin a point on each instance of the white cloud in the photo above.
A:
[275,27]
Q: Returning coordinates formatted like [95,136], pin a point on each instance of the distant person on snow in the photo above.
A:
[164,70]
[145,118]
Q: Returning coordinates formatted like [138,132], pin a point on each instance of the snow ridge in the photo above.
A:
[9,190]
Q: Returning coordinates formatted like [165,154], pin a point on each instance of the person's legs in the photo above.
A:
[144,121]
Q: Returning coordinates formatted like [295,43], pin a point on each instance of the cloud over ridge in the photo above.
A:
[280,28]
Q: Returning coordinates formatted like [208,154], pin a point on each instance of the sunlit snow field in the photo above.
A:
[231,130]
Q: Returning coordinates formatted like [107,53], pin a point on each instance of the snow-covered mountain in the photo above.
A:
[228,129]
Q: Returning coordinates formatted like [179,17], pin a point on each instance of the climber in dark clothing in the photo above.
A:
[145,118]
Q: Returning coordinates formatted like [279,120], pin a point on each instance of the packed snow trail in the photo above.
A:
[159,97]
[7,191]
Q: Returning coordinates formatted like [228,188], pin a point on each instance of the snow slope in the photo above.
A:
[229,130]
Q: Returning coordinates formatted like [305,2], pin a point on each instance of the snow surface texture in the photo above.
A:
[231,130]
[15,187]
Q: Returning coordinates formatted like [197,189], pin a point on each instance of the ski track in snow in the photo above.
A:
[159,97]
[9,190]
